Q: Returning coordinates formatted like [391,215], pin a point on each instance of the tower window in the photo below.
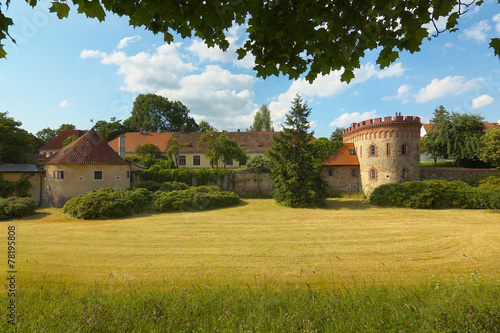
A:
[404,149]
[404,174]
[373,174]
[372,150]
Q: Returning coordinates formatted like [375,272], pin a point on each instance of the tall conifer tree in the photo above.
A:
[294,165]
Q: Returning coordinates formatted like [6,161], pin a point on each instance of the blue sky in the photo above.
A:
[77,69]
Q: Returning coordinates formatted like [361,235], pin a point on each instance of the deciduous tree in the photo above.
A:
[110,130]
[456,136]
[294,165]
[286,37]
[148,149]
[14,141]
[490,151]
[154,113]
[204,126]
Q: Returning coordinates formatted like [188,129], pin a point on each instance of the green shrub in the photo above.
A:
[151,185]
[202,176]
[439,194]
[16,207]
[108,203]
[195,198]
[173,186]
[258,164]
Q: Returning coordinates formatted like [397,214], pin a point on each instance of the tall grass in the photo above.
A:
[437,306]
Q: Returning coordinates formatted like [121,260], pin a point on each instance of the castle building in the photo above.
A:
[388,150]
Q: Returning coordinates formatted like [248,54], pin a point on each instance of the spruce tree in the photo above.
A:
[294,165]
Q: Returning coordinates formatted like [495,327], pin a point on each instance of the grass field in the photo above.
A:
[260,248]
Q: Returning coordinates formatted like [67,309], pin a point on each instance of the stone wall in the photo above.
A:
[455,174]
[252,183]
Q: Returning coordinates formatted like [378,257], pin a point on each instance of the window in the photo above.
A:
[98,174]
[59,174]
[404,174]
[243,161]
[182,159]
[352,152]
[32,175]
[128,174]
[372,151]
[81,179]
[196,160]
[373,174]
[388,149]
[229,161]
[404,149]
[354,172]
[118,177]
[330,172]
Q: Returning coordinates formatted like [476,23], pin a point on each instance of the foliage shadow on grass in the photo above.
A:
[350,204]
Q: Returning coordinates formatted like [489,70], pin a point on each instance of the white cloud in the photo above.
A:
[403,93]
[328,85]
[215,54]
[496,19]
[477,32]
[127,40]
[482,101]
[455,85]
[91,54]
[346,119]
[64,104]
[146,72]
[211,93]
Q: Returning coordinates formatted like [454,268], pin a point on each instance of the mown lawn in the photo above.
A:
[258,243]
[262,254]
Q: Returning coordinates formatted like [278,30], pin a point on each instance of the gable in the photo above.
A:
[88,149]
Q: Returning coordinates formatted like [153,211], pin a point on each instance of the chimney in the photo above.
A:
[181,130]
[140,131]
[121,146]
[239,129]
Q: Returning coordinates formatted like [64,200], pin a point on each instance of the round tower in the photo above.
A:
[388,150]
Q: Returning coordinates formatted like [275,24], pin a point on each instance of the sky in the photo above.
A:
[78,70]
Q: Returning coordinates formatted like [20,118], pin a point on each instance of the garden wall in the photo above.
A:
[251,183]
[455,174]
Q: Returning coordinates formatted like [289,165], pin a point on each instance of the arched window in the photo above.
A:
[372,150]
[404,149]
[404,174]
[373,174]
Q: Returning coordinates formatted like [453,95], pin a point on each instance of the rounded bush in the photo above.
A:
[439,194]
[16,207]
[150,185]
[195,198]
[108,203]
[173,186]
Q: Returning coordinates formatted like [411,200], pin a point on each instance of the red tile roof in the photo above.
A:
[255,142]
[136,139]
[488,126]
[343,156]
[57,142]
[88,149]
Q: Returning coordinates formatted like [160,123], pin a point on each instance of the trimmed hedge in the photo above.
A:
[16,207]
[202,176]
[439,194]
[108,203]
[195,198]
